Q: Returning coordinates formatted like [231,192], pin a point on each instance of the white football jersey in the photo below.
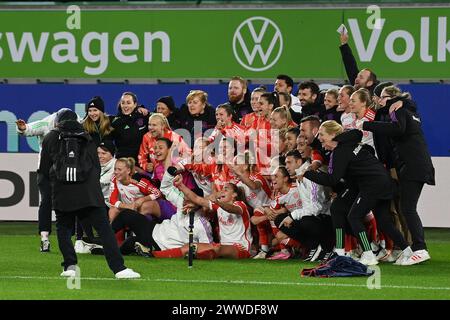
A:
[234,228]
[348,120]
[131,192]
[256,198]
[291,200]
[367,135]
[174,232]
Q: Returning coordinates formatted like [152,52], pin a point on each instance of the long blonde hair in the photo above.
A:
[104,127]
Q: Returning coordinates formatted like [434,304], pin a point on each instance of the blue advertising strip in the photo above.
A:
[31,102]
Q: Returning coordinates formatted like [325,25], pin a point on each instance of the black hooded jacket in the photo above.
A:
[73,196]
[414,161]
[357,165]
[128,133]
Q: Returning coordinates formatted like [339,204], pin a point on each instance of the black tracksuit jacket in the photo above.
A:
[71,196]
[414,161]
[357,165]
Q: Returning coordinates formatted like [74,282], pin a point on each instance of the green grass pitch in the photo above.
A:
[28,274]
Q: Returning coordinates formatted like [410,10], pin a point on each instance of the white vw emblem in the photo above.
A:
[246,37]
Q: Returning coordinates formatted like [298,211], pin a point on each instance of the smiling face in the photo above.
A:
[156,128]
[326,139]
[162,108]
[356,105]
[279,180]
[254,101]
[343,98]
[127,105]
[121,171]
[223,117]
[227,194]
[94,114]
[362,79]
[103,156]
[276,121]
[303,147]
[264,106]
[329,101]
[291,141]
[161,150]
[306,96]
[384,98]
[282,86]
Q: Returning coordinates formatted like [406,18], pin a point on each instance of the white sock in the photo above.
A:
[265,247]
[44,235]
[340,252]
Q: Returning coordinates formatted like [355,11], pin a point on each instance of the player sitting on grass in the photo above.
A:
[234,225]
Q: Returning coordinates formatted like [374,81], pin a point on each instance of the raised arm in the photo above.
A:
[189,194]
[231,208]
[351,68]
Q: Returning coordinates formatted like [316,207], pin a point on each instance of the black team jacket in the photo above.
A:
[68,197]
[414,161]
[357,165]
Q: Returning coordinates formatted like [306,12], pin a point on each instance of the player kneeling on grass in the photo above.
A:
[150,237]
[234,224]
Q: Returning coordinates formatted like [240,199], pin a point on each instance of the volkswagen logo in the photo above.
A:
[257,36]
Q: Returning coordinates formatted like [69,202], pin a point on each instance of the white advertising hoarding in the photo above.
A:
[19,195]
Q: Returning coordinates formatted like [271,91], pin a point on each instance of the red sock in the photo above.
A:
[291,243]
[350,242]
[120,236]
[371,229]
[169,253]
[206,254]
[264,230]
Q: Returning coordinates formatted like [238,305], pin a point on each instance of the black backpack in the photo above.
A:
[72,162]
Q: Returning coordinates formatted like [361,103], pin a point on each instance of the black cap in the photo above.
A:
[96,102]
[168,101]
[379,88]
[65,114]
[108,145]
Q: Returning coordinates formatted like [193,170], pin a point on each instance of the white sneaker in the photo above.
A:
[395,254]
[127,274]
[403,256]
[261,255]
[368,259]
[418,256]
[354,255]
[69,272]
[84,247]
[384,254]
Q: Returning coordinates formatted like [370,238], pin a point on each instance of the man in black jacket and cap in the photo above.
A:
[75,198]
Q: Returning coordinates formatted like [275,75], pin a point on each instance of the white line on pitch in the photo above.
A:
[275,283]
